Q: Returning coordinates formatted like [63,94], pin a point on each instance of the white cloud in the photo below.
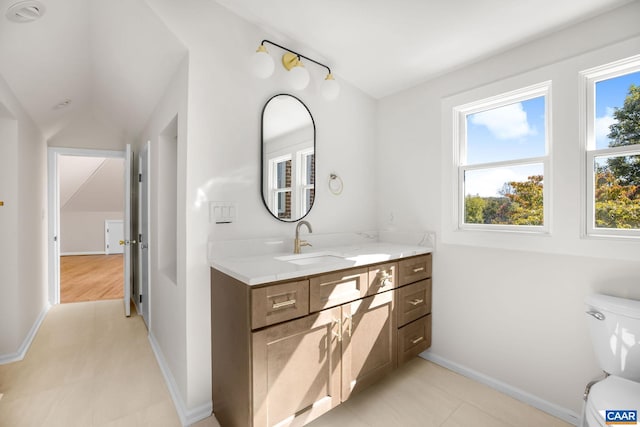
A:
[506,122]
[487,182]
[602,128]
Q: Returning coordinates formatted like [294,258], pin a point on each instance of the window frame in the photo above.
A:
[460,114]
[303,184]
[588,79]
[274,190]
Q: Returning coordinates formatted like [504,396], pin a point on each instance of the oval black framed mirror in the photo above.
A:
[288,158]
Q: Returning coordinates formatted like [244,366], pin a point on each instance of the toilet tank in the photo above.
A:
[614,324]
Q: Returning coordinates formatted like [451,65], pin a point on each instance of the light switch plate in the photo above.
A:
[222,212]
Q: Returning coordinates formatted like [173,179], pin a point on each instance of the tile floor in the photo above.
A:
[89,366]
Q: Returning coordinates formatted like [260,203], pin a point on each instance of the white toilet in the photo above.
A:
[614,324]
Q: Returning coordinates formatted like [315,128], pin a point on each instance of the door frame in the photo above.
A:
[144,224]
[53,205]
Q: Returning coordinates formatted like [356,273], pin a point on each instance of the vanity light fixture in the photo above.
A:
[263,66]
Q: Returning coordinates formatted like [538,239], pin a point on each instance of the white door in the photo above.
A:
[113,233]
[127,242]
[143,231]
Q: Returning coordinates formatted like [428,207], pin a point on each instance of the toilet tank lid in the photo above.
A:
[622,306]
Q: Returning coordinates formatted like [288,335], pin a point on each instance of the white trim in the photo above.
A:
[83,253]
[26,344]
[187,416]
[519,394]
[53,206]
[459,123]
[587,141]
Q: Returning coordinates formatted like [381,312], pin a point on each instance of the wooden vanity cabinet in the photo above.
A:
[285,353]
[413,299]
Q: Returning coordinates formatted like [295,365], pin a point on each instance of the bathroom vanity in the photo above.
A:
[294,336]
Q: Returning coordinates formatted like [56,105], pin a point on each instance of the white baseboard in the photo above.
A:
[187,416]
[22,351]
[528,398]
[83,253]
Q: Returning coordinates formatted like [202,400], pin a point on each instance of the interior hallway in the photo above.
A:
[89,366]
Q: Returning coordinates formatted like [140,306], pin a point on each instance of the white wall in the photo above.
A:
[83,232]
[89,132]
[22,237]
[510,306]
[222,163]
[167,293]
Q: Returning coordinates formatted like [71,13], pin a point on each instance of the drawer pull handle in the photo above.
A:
[416,301]
[283,304]
[419,269]
[416,340]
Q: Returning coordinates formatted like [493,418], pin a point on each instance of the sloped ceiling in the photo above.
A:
[90,184]
[116,57]
[112,57]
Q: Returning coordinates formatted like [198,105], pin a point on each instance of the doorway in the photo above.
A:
[86,202]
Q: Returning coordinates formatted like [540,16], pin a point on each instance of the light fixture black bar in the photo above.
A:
[296,53]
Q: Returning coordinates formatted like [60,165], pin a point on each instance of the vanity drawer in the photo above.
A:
[382,278]
[413,301]
[414,338]
[330,290]
[414,269]
[277,303]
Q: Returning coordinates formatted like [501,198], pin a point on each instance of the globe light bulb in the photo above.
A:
[330,88]
[298,77]
[262,63]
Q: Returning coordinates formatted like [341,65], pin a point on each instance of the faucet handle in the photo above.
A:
[305,243]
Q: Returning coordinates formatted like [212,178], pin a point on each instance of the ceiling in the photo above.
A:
[114,58]
[384,46]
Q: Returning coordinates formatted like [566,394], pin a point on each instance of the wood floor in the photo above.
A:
[91,277]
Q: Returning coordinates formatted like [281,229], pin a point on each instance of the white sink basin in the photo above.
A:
[311,258]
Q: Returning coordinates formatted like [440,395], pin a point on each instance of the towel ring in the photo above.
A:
[335,184]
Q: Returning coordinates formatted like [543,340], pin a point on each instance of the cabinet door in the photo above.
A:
[368,341]
[296,370]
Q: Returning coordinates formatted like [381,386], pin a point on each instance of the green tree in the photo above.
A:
[626,131]
[617,206]
[473,209]
[526,201]
[497,210]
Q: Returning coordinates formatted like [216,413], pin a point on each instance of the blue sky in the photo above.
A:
[514,131]
[610,94]
[517,131]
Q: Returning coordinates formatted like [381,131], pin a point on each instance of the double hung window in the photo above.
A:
[613,149]
[503,161]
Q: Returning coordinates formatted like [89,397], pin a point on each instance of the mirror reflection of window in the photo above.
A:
[281,190]
[288,158]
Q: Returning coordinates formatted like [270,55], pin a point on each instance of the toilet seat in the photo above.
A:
[609,394]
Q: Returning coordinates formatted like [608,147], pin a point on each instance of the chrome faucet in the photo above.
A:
[297,243]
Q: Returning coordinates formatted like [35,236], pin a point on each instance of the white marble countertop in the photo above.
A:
[271,267]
